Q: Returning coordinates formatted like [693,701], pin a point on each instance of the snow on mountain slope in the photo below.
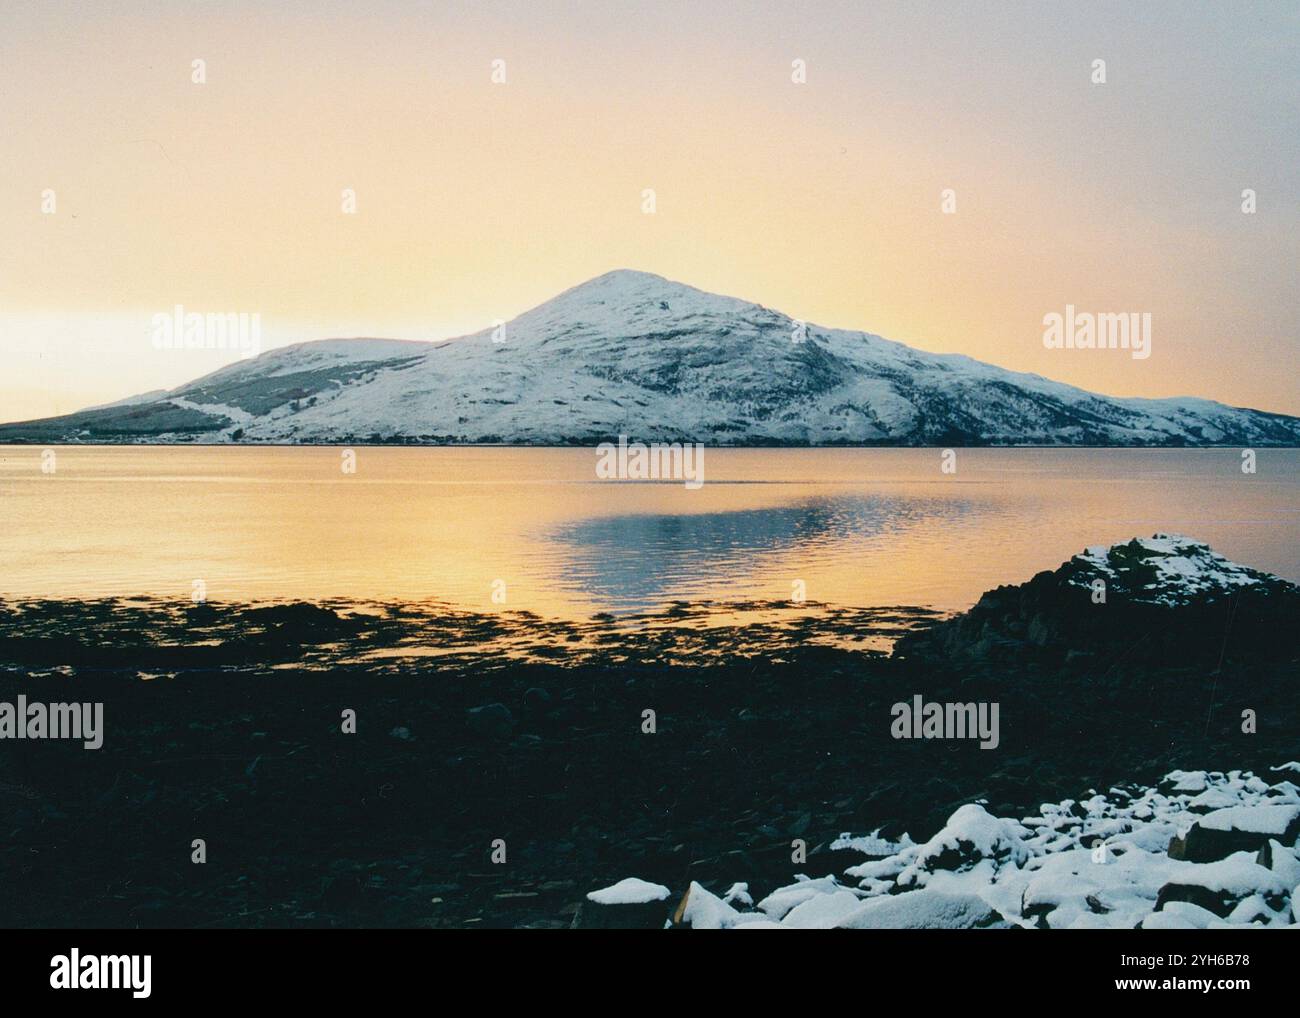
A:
[633,353]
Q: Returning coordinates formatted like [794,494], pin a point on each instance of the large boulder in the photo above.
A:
[1173,590]
[1221,886]
[1224,832]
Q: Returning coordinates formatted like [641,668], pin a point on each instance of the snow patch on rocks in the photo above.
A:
[1164,569]
[1103,861]
[1255,819]
[629,891]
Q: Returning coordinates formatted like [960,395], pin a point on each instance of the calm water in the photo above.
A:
[859,527]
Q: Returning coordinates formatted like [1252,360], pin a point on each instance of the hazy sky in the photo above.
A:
[477,200]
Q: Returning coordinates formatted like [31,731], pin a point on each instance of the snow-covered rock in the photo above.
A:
[972,837]
[784,899]
[1180,915]
[703,910]
[738,894]
[1282,860]
[1275,820]
[629,891]
[1221,886]
[1171,589]
[1232,829]
[1164,569]
[632,903]
[922,910]
[1099,862]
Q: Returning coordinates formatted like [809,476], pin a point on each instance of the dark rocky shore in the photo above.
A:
[224,723]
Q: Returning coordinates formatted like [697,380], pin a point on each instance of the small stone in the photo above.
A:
[491,719]
[536,698]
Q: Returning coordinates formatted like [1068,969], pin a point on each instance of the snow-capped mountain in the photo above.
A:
[635,354]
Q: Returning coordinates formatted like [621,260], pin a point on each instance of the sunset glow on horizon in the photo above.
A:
[478,199]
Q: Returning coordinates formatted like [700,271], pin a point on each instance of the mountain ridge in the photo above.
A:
[633,353]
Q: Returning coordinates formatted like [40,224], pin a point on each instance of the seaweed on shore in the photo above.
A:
[223,723]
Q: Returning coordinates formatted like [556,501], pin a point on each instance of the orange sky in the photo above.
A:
[478,200]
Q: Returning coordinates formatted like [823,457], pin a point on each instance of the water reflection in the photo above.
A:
[636,561]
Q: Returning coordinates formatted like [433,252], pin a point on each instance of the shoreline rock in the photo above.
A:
[1104,865]
[1164,600]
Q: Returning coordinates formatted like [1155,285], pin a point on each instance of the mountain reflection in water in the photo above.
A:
[636,561]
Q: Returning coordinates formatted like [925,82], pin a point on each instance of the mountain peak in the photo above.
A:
[627,277]
[627,285]
[627,301]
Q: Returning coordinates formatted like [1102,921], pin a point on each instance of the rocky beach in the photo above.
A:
[500,768]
